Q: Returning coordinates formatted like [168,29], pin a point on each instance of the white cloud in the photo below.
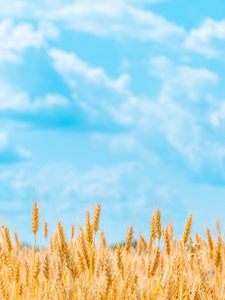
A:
[173,122]
[101,181]
[70,65]
[116,19]
[48,101]
[19,101]
[127,18]
[121,143]
[171,112]
[16,8]
[105,97]
[204,39]
[15,38]
[12,100]
[3,139]
[217,117]
[88,185]
[8,152]
[182,81]
[183,87]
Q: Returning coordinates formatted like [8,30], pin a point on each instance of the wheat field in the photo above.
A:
[86,267]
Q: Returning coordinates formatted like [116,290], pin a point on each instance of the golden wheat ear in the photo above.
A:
[45,230]
[187,230]
[129,239]
[35,218]
[97,214]
[35,223]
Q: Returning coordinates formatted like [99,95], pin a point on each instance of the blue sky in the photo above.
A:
[118,102]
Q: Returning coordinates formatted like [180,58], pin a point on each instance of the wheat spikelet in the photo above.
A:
[169,295]
[218,227]
[119,260]
[7,238]
[196,294]
[17,272]
[141,245]
[27,272]
[152,228]
[218,253]
[72,232]
[129,239]
[155,263]
[108,274]
[35,224]
[89,229]
[46,267]
[84,250]
[167,241]
[70,264]
[2,287]
[97,214]
[152,235]
[20,290]
[37,268]
[45,230]
[210,243]
[158,224]
[35,218]
[81,264]
[187,230]
[103,240]
[16,238]
[114,287]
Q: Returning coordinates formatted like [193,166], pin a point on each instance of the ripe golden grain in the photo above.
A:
[97,218]
[45,230]
[35,218]
[167,241]
[86,267]
[187,230]
[129,239]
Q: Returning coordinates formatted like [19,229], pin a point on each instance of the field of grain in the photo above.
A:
[157,267]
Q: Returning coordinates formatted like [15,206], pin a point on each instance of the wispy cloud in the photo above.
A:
[105,97]
[12,99]
[128,18]
[170,111]
[15,38]
[70,65]
[182,88]
[183,81]
[120,20]
[208,39]
[10,154]
[217,115]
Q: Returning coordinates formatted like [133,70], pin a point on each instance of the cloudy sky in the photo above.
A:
[120,102]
